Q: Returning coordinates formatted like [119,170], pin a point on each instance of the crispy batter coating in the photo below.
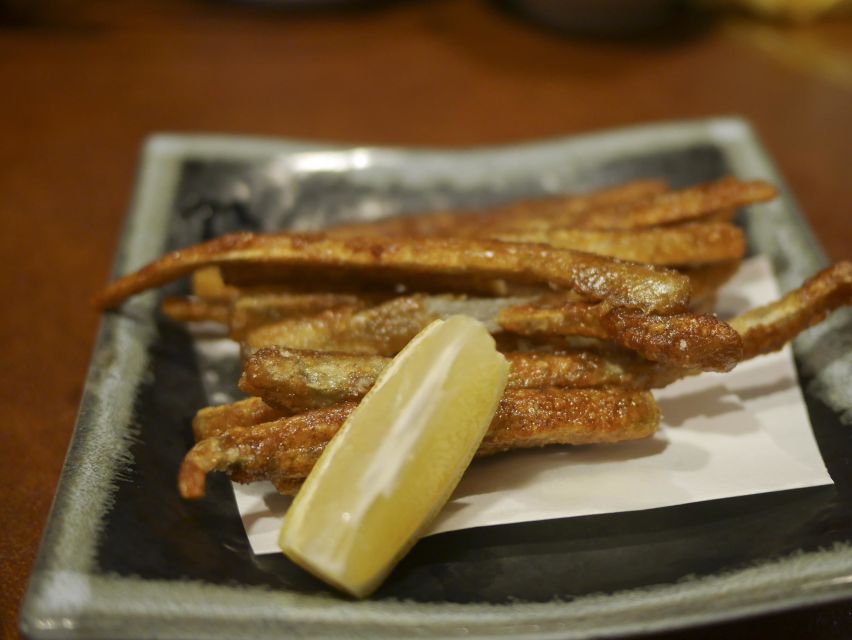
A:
[251,311]
[261,451]
[305,380]
[285,450]
[243,313]
[766,328]
[528,418]
[770,327]
[382,330]
[682,340]
[634,206]
[300,380]
[212,421]
[299,257]
[680,245]
[556,210]
[687,340]
[679,206]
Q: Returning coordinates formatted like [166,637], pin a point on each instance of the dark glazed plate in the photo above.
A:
[124,557]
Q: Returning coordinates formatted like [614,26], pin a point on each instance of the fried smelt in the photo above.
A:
[766,328]
[195,310]
[212,421]
[770,327]
[664,246]
[299,381]
[299,257]
[382,330]
[285,450]
[385,329]
[279,450]
[555,210]
[283,377]
[681,206]
[251,311]
[695,340]
[529,418]
[682,340]
[688,340]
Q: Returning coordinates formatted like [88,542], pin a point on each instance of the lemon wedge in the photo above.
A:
[394,463]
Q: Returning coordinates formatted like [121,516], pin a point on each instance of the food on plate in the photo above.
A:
[298,257]
[679,245]
[633,206]
[680,339]
[686,205]
[558,209]
[295,380]
[684,339]
[400,453]
[215,420]
[593,300]
[287,448]
[768,328]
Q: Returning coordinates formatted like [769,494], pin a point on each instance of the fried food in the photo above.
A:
[770,327]
[635,206]
[285,450]
[586,332]
[300,380]
[297,381]
[382,330]
[680,245]
[682,340]
[686,340]
[304,380]
[256,310]
[211,421]
[299,257]
[243,313]
[681,206]
[558,210]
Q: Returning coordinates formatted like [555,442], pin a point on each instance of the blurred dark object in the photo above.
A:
[311,4]
[598,17]
[18,11]
[26,13]
[795,11]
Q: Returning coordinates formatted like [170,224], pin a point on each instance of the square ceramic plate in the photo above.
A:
[124,557]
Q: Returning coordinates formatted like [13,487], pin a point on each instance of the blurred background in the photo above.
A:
[82,83]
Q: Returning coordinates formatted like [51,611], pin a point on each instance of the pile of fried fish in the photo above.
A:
[595,299]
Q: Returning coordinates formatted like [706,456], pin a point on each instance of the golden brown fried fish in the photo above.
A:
[285,450]
[298,257]
[298,381]
[680,245]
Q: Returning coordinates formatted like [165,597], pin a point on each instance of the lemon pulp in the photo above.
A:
[397,459]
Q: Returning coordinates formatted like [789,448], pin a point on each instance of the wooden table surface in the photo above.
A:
[84,83]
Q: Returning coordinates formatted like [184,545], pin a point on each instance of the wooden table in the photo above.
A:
[83,84]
